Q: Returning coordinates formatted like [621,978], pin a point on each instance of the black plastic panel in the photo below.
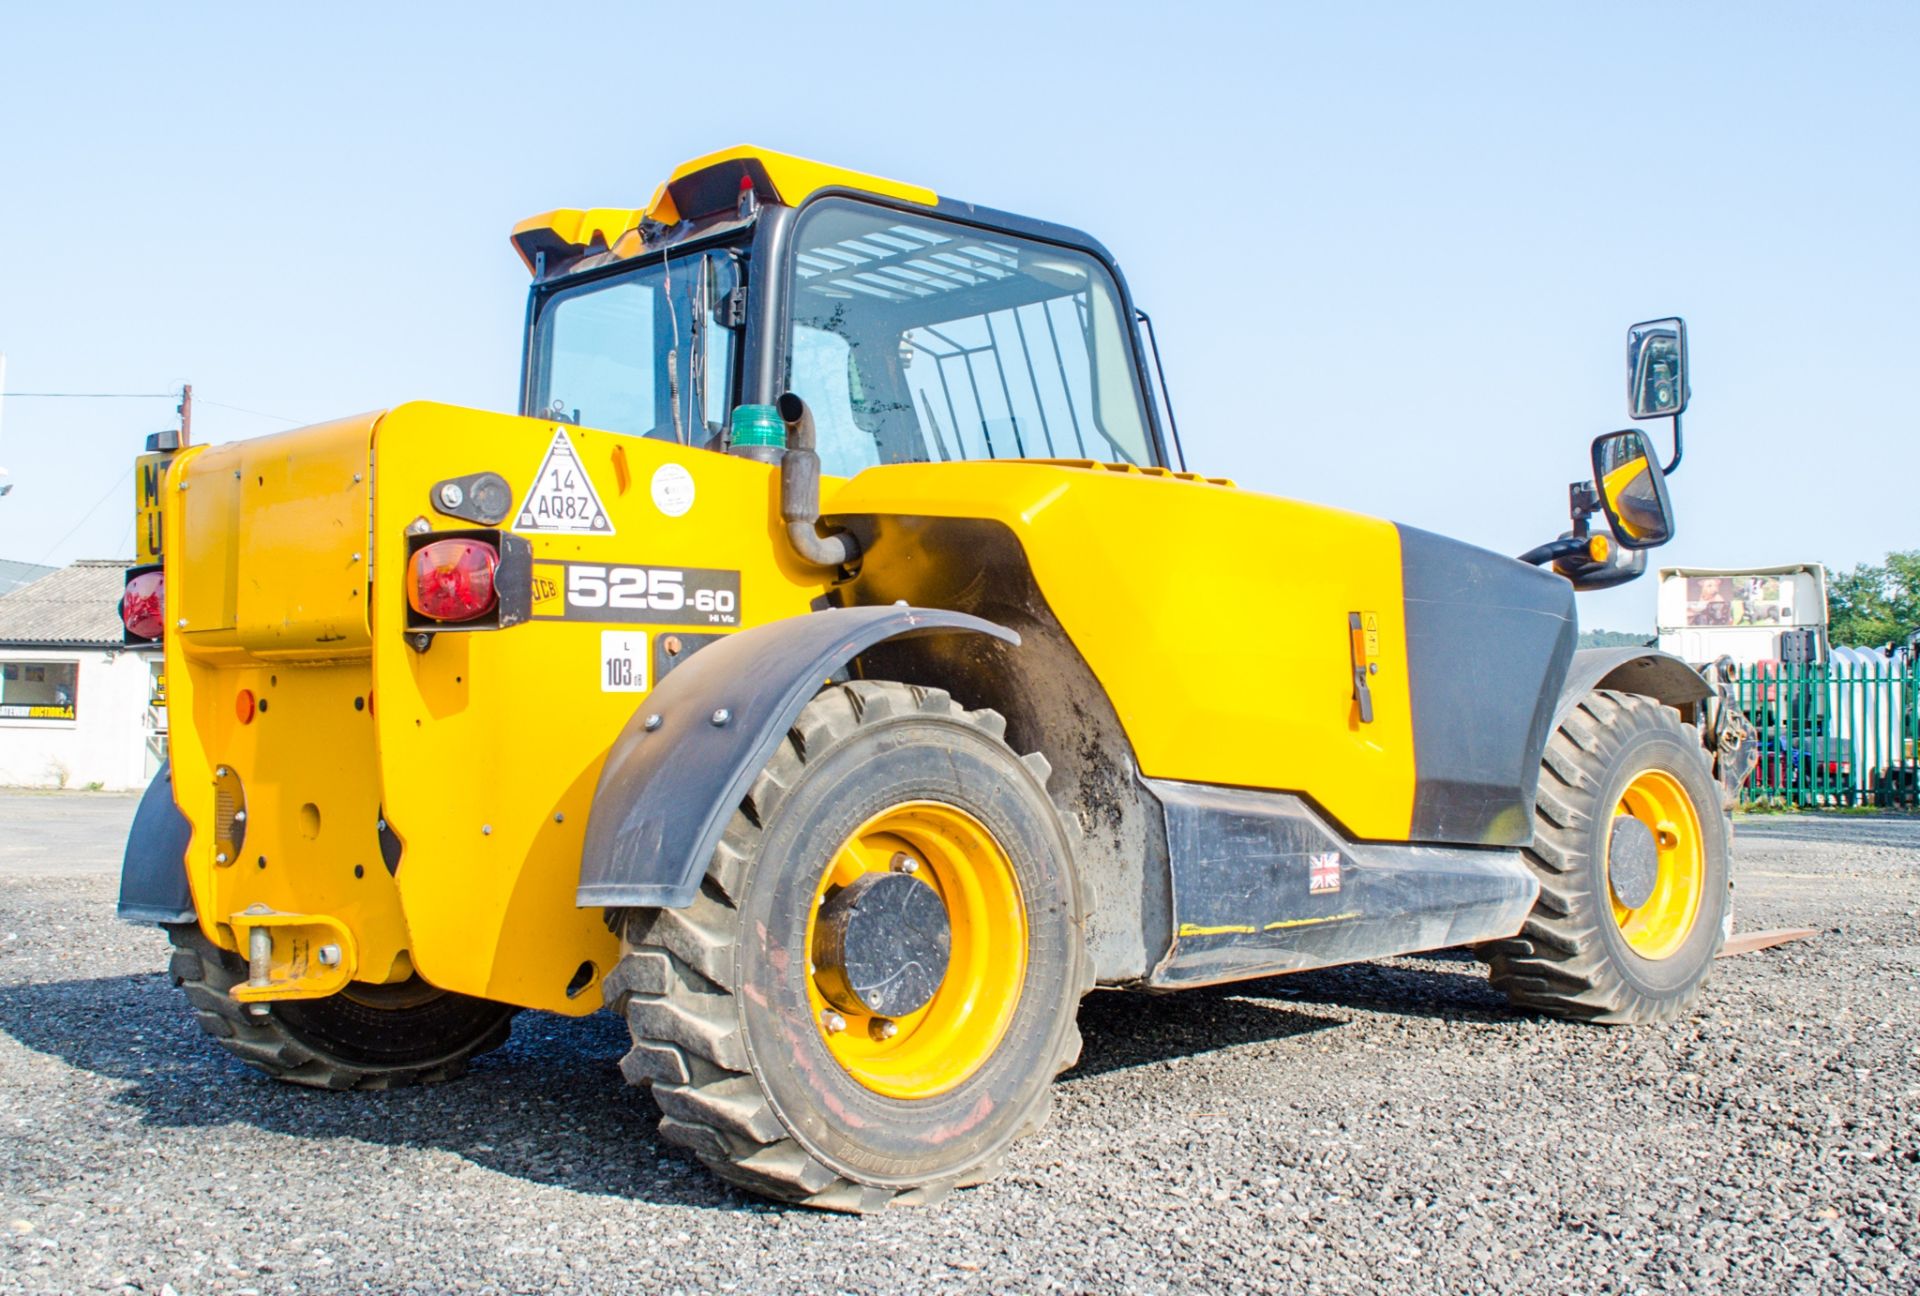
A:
[153,877]
[1488,643]
[666,792]
[1262,885]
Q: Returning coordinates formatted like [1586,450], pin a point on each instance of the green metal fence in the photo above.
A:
[1846,733]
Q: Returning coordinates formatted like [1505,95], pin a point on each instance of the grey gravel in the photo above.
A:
[1384,1128]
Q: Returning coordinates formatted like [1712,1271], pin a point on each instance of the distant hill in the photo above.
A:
[1616,638]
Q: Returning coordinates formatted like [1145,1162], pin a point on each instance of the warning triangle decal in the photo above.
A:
[563,498]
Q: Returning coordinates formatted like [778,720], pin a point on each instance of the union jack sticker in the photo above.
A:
[1323,873]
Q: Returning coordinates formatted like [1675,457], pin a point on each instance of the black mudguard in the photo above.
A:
[153,877]
[670,784]
[1647,671]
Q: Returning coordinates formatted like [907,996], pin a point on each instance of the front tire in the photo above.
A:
[1631,847]
[364,1037]
[763,1062]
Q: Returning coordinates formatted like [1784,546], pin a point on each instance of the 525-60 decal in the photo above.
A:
[574,591]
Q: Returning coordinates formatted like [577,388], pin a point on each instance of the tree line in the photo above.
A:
[1875,605]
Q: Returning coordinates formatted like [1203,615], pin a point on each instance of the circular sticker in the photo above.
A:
[672,489]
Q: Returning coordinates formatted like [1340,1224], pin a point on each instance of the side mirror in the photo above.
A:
[1657,369]
[1632,489]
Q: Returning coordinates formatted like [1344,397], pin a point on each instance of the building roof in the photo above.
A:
[14,574]
[76,606]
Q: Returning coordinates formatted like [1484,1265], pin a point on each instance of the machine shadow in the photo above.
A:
[1123,1029]
[552,1108]
[549,1107]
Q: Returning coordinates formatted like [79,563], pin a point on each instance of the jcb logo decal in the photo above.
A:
[645,595]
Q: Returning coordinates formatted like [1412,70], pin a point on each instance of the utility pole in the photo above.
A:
[184,409]
[5,485]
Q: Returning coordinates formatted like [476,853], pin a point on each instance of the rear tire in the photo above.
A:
[722,998]
[1585,951]
[365,1037]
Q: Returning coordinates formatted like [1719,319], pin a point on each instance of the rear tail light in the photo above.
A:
[143,608]
[452,580]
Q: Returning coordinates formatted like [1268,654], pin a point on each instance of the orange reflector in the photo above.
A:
[1598,547]
[243,705]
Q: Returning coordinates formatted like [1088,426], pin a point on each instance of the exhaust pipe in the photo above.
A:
[800,492]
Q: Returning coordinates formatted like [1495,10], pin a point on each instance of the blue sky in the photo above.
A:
[1391,250]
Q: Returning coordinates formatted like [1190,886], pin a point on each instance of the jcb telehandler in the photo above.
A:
[835,671]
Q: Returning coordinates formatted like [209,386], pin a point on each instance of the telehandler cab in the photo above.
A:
[834,671]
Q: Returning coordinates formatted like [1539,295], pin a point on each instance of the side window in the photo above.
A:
[646,352]
[917,340]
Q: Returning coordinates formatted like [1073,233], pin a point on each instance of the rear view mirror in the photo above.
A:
[1632,489]
[1657,369]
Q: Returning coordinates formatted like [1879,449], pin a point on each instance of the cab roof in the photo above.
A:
[705,186]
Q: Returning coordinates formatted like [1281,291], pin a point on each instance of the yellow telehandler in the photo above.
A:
[834,670]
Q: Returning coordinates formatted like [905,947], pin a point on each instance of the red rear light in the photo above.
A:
[452,580]
[144,606]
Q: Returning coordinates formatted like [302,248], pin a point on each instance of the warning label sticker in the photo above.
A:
[562,498]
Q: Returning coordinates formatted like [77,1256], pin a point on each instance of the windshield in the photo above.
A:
[647,352]
[916,339]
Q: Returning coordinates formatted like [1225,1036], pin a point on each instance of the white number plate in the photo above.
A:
[623,661]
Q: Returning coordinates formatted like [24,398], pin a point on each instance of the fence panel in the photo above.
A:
[1843,733]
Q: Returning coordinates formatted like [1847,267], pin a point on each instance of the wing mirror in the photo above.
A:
[1657,369]
[1632,489]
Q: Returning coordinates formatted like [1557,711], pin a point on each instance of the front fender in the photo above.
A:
[153,877]
[1648,671]
[687,757]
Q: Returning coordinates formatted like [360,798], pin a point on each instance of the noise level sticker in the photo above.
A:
[623,661]
[563,498]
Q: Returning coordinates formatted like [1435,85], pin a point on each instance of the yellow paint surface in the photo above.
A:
[1215,618]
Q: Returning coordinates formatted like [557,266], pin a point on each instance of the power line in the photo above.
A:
[241,409]
[172,395]
[87,516]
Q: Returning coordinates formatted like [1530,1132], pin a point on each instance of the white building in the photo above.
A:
[78,708]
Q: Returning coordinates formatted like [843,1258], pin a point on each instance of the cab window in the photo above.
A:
[916,340]
[646,352]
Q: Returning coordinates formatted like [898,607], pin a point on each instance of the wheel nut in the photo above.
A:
[904,863]
[885,1030]
[832,1022]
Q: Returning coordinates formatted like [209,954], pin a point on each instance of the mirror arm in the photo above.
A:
[1564,547]
[1675,461]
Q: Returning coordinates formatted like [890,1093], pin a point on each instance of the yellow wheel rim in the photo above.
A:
[1656,929]
[930,1051]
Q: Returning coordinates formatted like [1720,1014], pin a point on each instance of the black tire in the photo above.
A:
[366,1037]
[1572,959]
[721,1026]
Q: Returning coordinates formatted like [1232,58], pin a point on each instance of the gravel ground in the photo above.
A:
[1383,1128]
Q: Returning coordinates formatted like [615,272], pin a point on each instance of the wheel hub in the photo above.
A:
[1633,861]
[881,945]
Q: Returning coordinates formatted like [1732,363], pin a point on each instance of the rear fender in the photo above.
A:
[687,757]
[153,878]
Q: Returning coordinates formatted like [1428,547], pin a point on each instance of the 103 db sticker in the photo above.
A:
[571,591]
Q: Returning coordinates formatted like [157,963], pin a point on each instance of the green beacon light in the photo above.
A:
[758,433]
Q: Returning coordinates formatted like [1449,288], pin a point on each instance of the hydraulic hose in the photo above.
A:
[800,492]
